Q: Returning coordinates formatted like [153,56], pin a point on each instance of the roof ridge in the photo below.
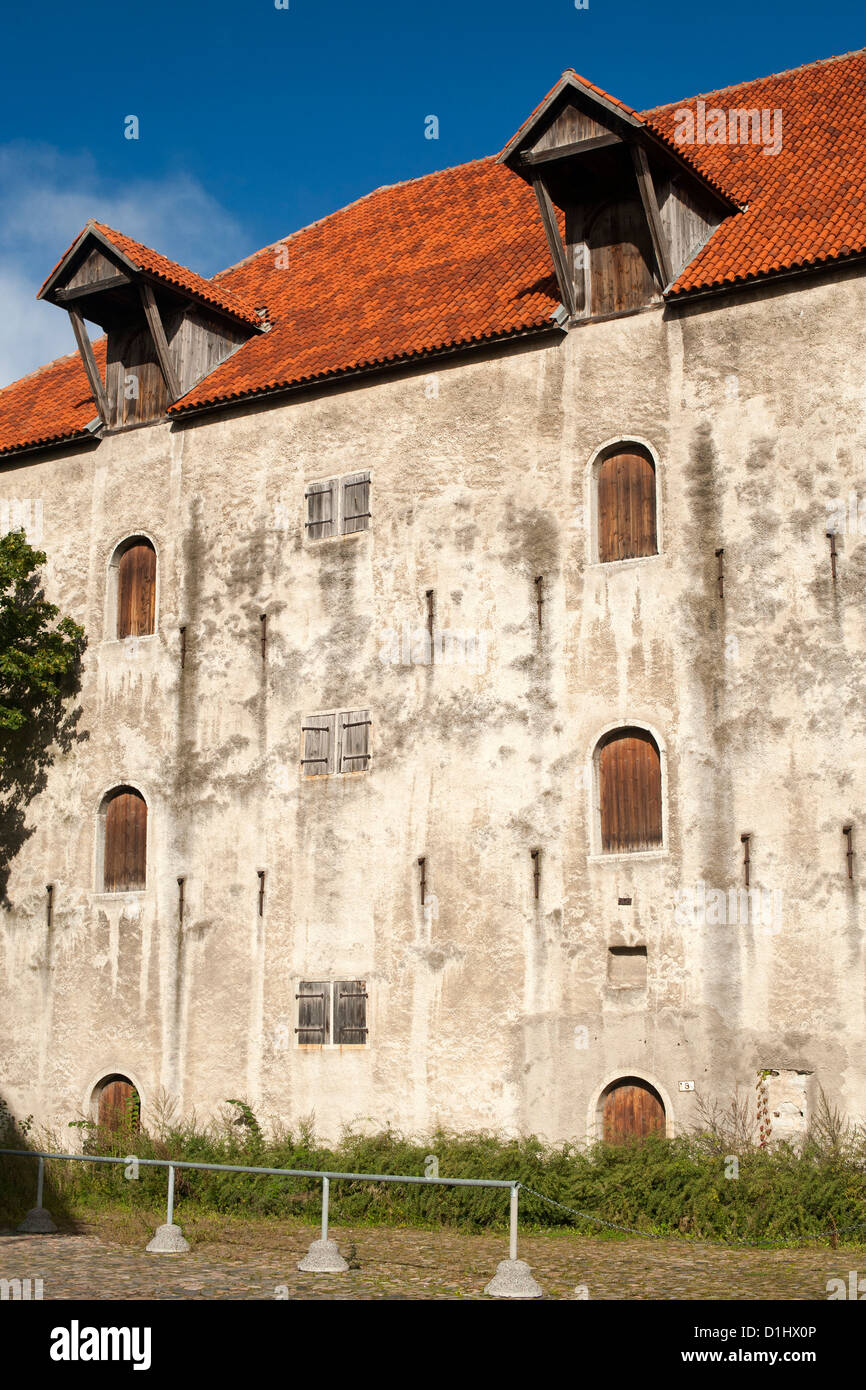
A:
[318,221]
[753,81]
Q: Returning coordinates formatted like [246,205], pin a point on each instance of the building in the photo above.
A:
[471,725]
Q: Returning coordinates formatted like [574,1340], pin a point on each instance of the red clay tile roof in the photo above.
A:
[51,404]
[143,258]
[459,257]
[806,204]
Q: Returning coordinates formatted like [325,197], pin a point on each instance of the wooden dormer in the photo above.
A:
[166,328]
[623,213]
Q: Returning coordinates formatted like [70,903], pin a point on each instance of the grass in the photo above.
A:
[664,1187]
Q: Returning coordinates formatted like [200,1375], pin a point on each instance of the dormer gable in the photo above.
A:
[166,327]
[623,212]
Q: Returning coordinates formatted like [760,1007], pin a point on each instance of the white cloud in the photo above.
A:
[46,196]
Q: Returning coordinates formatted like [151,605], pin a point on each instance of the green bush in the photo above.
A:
[661,1186]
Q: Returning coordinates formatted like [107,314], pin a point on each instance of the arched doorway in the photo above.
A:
[118,1105]
[631,1109]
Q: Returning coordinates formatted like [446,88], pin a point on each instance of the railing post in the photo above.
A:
[323,1256]
[38,1221]
[169,1239]
[513,1277]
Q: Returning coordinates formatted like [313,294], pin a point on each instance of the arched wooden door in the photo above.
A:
[632,1110]
[119,1105]
[125,851]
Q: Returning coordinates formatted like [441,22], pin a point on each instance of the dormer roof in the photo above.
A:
[132,259]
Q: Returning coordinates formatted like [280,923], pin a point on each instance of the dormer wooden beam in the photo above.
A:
[651,209]
[160,342]
[111,282]
[85,347]
[598,142]
[554,241]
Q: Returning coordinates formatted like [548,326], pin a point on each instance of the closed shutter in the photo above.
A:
[314,1011]
[322,502]
[136,591]
[125,848]
[356,502]
[622,260]
[630,786]
[350,1006]
[319,745]
[354,741]
[626,507]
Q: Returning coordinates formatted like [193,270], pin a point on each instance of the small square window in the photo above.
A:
[627,966]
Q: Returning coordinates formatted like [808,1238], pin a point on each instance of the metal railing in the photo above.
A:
[326,1178]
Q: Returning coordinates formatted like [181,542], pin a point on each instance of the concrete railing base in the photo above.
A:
[37,1222]
[513,1279]
[169,1240]
[323,1257]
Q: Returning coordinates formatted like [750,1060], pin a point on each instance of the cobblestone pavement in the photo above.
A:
[412,1264]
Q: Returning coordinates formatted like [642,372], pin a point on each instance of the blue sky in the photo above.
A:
[254,120]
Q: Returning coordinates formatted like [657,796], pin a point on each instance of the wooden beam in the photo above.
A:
[85,347]
[554,241]
[651,208]
[160,342]
[111,282]
[598,142]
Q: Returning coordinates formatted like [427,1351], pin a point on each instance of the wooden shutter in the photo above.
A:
[354,741]
[621,260]
[125,848]
[350,1009]
[322,502]
[319,745]
[626,507]
[630,787]
[314,1011]
[119,1105]
[136,591]
[632,1110]
[356,502]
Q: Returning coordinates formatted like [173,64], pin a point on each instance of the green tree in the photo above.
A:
[37,652]
[40,657]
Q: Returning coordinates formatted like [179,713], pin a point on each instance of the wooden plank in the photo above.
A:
[319,745]
[651,208]
[136,591]
[314,1012]
[630,793]
[160,341]
[621,256]
[354,730]
[355,504]
[626,507]
[85,347]
[323,500]
[111,282]
[632,1111]
[598,142]
[554,242]
[350,1010]
[125,857]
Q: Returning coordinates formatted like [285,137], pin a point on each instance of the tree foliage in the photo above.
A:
[38,649]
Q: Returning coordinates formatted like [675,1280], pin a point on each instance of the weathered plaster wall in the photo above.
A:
[490,1009]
